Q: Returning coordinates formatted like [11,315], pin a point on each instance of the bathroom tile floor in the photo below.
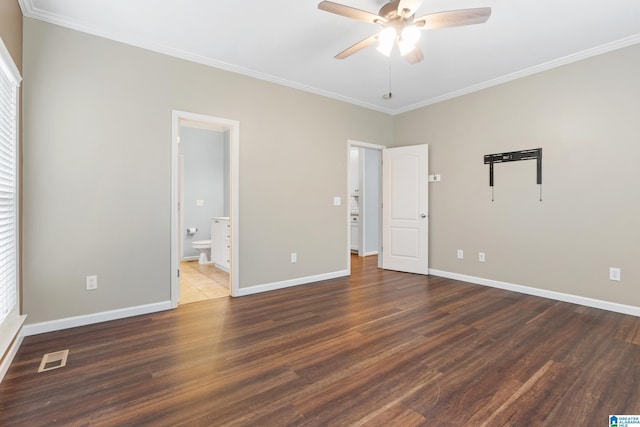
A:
[200,282]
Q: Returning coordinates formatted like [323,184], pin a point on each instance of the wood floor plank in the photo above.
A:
[535,400]
[378,348]
[397,414]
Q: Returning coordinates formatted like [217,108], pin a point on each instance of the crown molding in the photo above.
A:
[579,56]
[30,11]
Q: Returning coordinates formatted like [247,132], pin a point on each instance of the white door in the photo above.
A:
[405,209]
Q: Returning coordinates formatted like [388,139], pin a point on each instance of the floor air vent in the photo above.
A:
[53,361]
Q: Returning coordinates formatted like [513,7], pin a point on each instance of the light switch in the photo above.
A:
[337,201]
[199,202]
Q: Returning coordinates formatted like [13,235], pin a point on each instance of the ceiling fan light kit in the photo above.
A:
[386,39]
[408,39]
[401,27]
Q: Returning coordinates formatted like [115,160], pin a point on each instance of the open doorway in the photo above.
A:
[364,199]
[204,215]
[203,205]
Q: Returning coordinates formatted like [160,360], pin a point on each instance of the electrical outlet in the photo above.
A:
[294,257]
[481,256]
[92,283]
[614,274]
[460,254]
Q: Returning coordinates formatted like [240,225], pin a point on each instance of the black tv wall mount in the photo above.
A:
[514,156]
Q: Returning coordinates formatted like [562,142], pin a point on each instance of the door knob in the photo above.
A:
[423,215]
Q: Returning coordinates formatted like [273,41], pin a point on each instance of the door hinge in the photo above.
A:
[178,272]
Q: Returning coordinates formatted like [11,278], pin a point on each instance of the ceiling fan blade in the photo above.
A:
[350,12]
[415,55]
[357,47]
[410,5]
[453,18]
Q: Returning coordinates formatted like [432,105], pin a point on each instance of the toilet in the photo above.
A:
[204,249]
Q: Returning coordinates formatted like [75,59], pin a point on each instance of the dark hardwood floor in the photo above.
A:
[381,348]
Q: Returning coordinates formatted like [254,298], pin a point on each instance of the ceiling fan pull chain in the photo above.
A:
[388,94]
[389,78]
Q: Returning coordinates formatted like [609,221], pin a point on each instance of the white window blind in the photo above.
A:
[9,81]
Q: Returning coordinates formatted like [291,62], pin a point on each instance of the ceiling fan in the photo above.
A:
[401,27]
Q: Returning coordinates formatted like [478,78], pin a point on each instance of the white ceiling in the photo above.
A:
[293,43]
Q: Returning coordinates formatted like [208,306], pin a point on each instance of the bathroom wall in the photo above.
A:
[371,199]
[354,180]
[204,180]
[226,189]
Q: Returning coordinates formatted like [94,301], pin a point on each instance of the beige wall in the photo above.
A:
[97,137]
[97,127]
[11,29]
[585,116]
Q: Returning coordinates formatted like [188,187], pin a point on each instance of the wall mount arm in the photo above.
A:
[514,156]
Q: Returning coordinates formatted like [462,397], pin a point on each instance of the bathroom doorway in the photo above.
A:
[204,191]
[364,199]
[203,202]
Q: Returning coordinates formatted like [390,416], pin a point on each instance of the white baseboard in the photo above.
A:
[72,322]
[558,296]
[292,282]
[221,267]
[370,253]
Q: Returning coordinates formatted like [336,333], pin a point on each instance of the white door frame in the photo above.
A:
[179,118]
[359,144]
